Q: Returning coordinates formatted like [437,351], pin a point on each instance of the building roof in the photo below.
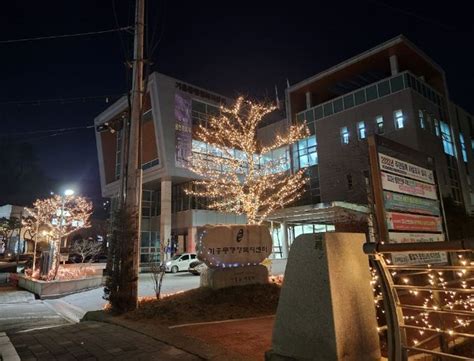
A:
[383,47]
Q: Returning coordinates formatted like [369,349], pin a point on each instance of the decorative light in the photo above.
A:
[237,176]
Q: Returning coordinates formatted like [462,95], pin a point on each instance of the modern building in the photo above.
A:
[16,237]
[394,90]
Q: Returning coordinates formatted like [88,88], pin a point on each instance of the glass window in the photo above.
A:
[318,113]
[300,117]
[359,97]
[344,135]
[327,109]
[309,115]
[399,119]
[361,133]
[463,147]
[447,139]
[379,124]
[185,257]
[338,106]
[348,101]
[371,93]
[421,118]
[305,152]
[436,127]
[396,83]
[384,88]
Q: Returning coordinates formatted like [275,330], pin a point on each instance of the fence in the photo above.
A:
[428,308]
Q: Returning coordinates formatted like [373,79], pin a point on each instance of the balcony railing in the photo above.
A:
[369,93]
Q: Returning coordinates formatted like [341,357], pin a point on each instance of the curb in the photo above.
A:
[7,351]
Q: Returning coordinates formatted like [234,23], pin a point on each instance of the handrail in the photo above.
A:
[452,246]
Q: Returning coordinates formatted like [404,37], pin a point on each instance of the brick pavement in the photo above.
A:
[93,341]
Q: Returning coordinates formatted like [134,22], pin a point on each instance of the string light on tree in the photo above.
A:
[238,175]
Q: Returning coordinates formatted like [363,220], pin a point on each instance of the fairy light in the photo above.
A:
[237,176]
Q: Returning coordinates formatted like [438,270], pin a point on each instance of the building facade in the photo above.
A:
[393,90]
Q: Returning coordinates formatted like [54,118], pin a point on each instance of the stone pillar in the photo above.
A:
[394,64]
[284,240]
[308,100]
[165,217]
[326,309]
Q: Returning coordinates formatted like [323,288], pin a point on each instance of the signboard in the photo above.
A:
[234,245]
[406,169]
[183,129]
[417,258]
[411,222]
[404,185]
[406,203]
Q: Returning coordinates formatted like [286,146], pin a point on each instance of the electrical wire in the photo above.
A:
[66,35]
[62,100]
[57,130]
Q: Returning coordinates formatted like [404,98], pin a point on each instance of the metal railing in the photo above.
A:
[428,308]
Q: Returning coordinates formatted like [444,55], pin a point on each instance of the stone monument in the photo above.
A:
[326,310]
[233,254]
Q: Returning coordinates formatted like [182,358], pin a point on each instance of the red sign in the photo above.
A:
[411,222]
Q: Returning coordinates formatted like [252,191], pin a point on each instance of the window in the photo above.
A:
[436,127]
[344,135]
[421,118]
[399,119]
[463,147]
[349,181]
[379,124]
[305,153]
[371,93]
[447,140]
[361,130]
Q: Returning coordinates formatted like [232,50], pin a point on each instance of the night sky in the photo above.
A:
[229,47]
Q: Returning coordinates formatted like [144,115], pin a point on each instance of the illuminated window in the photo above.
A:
[421,118]
[361,130]
[399,119]
[379,124]
[463,147]
[447,139]
[344,135]
[305,153]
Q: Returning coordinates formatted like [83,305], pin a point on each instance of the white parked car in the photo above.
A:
[180,262]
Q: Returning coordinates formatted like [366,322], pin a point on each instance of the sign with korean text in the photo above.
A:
[183,129]
[400,167]
[406,203]
[404,185]
[234,245]
[417,258]
[413,223]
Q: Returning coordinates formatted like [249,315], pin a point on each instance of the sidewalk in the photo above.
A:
[94,341]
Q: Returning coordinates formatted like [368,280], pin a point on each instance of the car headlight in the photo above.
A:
[168,263]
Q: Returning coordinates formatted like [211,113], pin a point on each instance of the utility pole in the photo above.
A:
[133,195]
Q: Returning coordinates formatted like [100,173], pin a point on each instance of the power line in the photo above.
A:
[107,98]
[66,35]
[56,130]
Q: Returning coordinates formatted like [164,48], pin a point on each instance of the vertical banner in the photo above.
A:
[183,129]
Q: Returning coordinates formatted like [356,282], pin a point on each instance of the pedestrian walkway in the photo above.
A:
[93,341]
[10,294]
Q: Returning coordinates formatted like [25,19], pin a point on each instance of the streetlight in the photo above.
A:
[68,192]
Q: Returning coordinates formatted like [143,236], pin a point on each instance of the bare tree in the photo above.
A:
[87,249]
[157,272]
